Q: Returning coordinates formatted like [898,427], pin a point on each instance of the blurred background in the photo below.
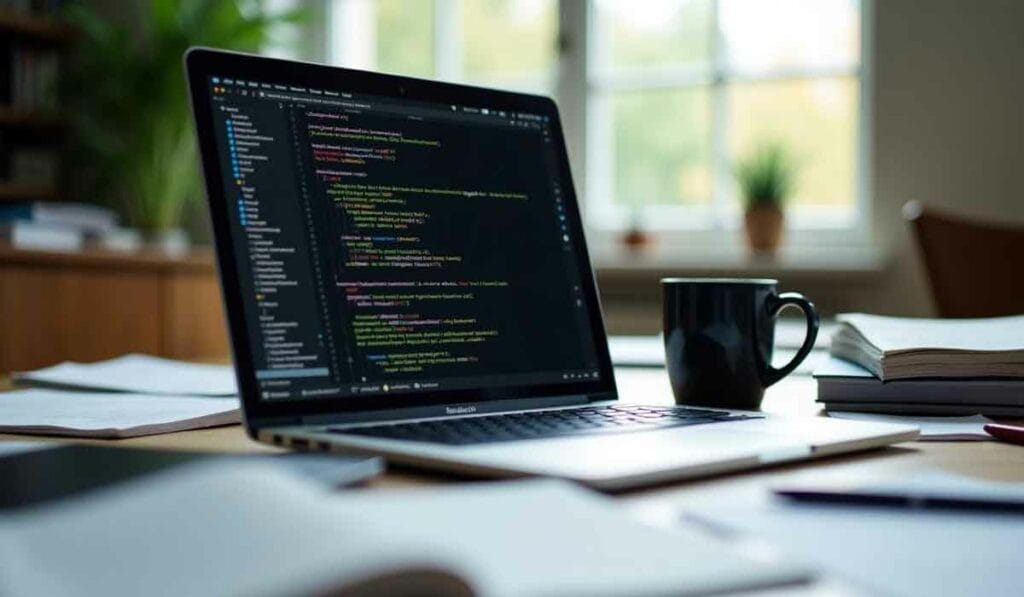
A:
[731,138]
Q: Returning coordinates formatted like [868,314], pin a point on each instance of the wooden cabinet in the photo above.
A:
[96,305]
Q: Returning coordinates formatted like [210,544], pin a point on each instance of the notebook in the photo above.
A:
[194,532]
[844,381]
[902,348]
[110,415]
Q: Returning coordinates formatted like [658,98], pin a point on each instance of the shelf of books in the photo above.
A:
[33,43]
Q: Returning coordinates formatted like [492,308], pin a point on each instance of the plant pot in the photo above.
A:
[764,225]
[172,241]
[637,240]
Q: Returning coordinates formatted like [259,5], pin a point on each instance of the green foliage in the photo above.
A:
[766,175]
[124,94]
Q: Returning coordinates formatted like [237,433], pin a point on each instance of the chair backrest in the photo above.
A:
[975,269]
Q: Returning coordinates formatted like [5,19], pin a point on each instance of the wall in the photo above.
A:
[948,123]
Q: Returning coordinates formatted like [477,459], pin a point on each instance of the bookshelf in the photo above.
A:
[16,193]
[34,27]
[32,46]
[30,120]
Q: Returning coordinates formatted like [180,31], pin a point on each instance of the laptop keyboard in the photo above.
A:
[545,424]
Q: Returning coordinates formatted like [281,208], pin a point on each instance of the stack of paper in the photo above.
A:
[124,397]
[138,373]
[933,429]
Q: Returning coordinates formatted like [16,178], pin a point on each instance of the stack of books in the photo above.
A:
[54,226]
[925,366]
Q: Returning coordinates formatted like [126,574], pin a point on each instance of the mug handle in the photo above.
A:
[775,304]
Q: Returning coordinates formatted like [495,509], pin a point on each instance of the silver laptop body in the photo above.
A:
[394,250]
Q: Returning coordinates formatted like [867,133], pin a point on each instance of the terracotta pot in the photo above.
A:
[636,240]
[764,225]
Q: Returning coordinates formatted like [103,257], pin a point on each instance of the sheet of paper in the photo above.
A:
[109,414]
[886,551]
[192,531]
[932,428]
[139,373]
[637,351]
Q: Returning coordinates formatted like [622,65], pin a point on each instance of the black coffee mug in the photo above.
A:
[719,335]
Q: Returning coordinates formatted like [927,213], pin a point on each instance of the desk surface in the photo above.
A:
[664,504]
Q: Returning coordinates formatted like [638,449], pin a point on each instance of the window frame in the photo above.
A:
[707,226]
[579,87]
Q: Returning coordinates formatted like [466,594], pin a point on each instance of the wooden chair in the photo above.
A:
[975,269]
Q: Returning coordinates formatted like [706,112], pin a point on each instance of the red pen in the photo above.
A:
[1006,433]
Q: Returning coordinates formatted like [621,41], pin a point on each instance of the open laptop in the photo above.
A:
[405,274]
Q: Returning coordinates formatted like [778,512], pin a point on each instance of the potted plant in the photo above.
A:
[636,238]
[766,177]
[124,95]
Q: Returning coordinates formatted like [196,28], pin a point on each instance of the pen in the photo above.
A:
[909,501]
[1007,433]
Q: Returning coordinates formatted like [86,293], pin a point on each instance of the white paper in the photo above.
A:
[637,351]
[908,333]
[886,551]
[243,529]
[932,428]
[140,373]
[109,414]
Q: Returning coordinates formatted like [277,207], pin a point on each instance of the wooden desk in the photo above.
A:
[664,504]
[96,304]
[792,396]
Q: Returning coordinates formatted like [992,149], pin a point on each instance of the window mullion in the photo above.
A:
[448,62]
[721,171]
[353,35]
[572,90]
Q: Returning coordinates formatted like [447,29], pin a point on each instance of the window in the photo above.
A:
[498,43]
[673,92]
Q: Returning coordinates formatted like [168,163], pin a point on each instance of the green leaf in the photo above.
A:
[125,96]
[766,175]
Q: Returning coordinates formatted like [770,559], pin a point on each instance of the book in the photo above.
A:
[252,529]
[843,381]
[110,415]
[41,237]
[904,348]
[82,216]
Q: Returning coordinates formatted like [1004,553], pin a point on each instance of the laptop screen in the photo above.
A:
[388,246]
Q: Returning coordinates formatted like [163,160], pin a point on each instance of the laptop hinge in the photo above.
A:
[444,410]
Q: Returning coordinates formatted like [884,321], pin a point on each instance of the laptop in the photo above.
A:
[405,274]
